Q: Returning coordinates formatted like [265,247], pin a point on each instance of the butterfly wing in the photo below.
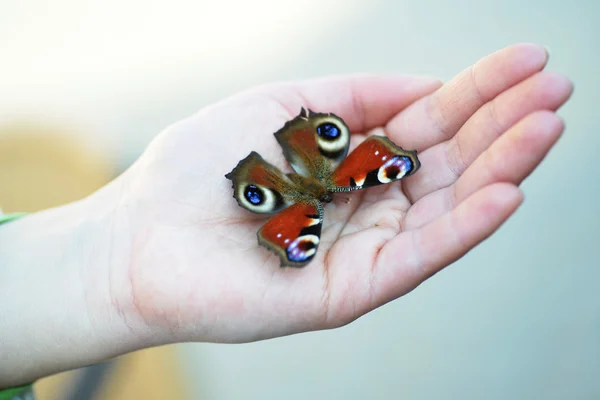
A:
[314,143]
[294,234]
[259,186]
[376,161]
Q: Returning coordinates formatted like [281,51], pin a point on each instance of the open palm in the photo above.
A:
[195,270]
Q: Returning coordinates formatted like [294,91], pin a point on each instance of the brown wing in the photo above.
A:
[259,186]
[314,143]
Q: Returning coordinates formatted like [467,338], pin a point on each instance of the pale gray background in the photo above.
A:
[517,318]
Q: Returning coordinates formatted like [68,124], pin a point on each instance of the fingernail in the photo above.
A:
[547,48]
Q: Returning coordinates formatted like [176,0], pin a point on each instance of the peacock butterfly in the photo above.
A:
[316,145]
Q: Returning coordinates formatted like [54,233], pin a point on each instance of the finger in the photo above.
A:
[364,101]
[438,117]
[411,257]
[443,163]
[510,159]
[515,157]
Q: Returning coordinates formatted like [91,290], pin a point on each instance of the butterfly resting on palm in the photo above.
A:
[316,146]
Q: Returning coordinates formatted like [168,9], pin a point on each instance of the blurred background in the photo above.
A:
[85,85]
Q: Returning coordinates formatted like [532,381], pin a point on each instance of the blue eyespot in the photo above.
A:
[328,131]
[302,249]
[396,168]
[254,195]
[407,165]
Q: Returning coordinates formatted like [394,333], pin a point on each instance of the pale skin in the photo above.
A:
[164,254]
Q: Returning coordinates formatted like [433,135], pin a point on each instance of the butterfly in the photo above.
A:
[316,146]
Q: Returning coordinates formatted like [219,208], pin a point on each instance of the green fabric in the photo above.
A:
[10,217]
[25,391]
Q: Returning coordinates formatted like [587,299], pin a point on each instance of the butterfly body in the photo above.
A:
[310,188]
[316,145]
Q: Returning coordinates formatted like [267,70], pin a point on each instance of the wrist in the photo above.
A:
[57,285]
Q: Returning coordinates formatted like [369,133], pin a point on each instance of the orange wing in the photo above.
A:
[376,161]
[294,234]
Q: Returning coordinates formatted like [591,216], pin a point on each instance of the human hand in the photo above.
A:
[176,259]
[197,271]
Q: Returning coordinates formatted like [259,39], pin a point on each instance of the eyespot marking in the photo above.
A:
[333,137]
[395,168]
[328,131]
[259,199]
[302,248]
[254,195]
